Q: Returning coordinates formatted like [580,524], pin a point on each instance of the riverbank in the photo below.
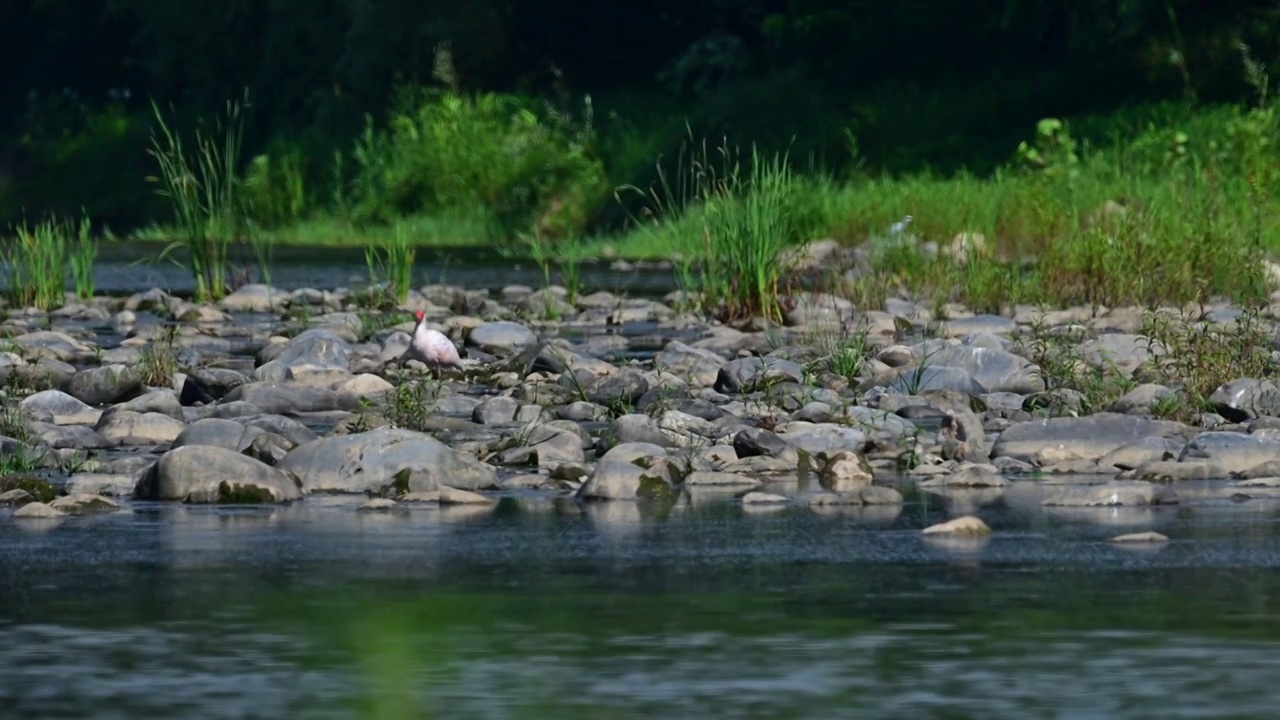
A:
[1176,211]
[283,431]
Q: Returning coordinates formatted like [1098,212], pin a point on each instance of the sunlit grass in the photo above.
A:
[390,262]
[37,259]
[203,188]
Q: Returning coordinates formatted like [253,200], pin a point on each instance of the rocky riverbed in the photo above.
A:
[275,396]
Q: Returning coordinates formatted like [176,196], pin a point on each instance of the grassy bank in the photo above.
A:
[1178,208]
[1159,204]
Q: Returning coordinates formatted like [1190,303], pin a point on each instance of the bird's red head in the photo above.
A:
[420,315]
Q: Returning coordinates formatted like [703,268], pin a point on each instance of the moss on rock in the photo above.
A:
[41,490]
[237,494]
[655,488]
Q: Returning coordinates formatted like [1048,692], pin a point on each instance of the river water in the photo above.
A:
[543,608]
[127,267]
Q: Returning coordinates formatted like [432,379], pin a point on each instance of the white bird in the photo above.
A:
[432,346]
[900,227]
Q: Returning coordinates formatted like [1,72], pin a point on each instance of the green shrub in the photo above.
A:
[275,185]
[487,156]
[80,159]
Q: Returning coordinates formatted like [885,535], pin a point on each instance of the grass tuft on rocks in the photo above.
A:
[38,257]
[733,217]
[159,361]
[390,261]
[203,187]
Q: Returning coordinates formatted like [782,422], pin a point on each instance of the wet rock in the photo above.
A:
[1231,451]
[1135,454]
[105,385]
[756,497]
[84,504]
[1124,352]
[969,476]
[746,375]
[845,471]
[634,428]
[1112,494]
[496,410]
[502,338]
[206,474]
[454,496]
[1140,537]
[217,432]
[865,495]
[1172,471]
[15,497]
[622,388]
[697,366]
[829,438]
[1142,399]
[290,399]
[713,478]
[967,525]
[921,378]
[385,461]
[37,511]
[59,408]
[123,427]
[994,369]
[97,483]
[1245,399]
[254,298]
[315,350]
[750,442]
[52,344]
[613,480]
[208,385]
[1075,438]
[163,401]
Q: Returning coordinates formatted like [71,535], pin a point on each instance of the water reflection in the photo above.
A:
[541,607]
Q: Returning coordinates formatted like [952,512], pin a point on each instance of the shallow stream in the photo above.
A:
[543,608]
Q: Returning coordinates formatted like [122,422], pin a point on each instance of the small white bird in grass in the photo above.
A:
[900,227]
[432,346]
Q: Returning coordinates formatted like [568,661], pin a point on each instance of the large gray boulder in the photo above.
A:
[106,384]
[313,350]
[1063,439]
[994,369]
[385,461]
[207,474]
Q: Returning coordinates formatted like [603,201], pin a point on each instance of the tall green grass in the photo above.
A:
[1180,210]
[82,254]
[37,260]
[203,185]
[390,261]
[736,216]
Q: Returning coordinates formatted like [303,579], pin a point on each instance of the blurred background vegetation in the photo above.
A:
[494,117]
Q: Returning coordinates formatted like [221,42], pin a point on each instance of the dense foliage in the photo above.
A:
[356,112]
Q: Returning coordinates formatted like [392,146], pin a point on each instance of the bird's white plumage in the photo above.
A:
[432,346]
